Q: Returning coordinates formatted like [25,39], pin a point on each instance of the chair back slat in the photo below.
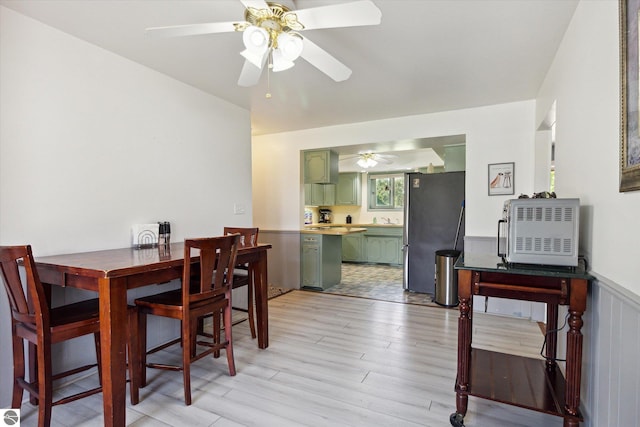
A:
[248,235]
[217,257]
[30,308]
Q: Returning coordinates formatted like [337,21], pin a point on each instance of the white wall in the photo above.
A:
[91,143]
[584,80]
[494,134]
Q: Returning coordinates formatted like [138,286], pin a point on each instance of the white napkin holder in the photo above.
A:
[144,235]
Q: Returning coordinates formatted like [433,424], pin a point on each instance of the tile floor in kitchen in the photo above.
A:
[380,282]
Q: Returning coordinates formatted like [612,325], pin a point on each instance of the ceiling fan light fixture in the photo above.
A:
[290,45]
[366,162]
[279,62]
[255,39]
[270,27]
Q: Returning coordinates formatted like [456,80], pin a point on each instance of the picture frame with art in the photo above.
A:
[500,180]
[629,96]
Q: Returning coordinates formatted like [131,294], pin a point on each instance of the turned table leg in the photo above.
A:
[577,306]
[464,341]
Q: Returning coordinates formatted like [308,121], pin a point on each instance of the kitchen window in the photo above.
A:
[386,191]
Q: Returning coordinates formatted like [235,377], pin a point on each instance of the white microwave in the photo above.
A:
[540,231]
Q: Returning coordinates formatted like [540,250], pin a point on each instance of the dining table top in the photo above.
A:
[110,263]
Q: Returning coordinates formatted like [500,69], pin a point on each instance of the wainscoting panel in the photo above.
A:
[284,258]
[611,392]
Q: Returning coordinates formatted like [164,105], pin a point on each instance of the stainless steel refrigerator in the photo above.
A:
[432,210]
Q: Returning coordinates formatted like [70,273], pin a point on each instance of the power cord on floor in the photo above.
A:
[544,343]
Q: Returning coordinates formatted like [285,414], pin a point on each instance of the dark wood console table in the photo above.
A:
[532,383]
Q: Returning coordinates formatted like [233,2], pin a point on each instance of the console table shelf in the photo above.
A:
[499,377]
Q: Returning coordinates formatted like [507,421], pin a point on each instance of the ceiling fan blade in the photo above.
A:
[349,157]
[324,62]
[191,29]
[353,14]
[250,74]
[383,160]
[257,4]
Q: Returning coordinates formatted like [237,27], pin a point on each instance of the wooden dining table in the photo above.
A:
[111,273]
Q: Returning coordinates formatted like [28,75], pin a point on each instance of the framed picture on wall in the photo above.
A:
[501,179]
[629,96]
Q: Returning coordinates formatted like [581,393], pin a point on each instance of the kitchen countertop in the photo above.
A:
[332,230]
[334,224]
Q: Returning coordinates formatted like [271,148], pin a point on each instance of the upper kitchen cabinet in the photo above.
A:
[320,167]
[319,194]
[348,189]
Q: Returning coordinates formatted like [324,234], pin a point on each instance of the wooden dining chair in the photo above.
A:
[211,294]
[243,276]
[33,320]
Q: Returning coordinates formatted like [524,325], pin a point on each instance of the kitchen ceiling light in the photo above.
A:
[366,162]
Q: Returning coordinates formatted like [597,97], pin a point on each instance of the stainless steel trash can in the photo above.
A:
[446,278]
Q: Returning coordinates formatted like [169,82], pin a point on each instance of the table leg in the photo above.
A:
[113,338]
[261,298]
[577,306]
[464,341]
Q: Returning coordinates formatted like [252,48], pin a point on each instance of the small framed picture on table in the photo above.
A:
[501,179]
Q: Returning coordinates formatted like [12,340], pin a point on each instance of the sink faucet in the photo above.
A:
[385,220]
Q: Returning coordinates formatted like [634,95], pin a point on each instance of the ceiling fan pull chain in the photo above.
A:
[269,67]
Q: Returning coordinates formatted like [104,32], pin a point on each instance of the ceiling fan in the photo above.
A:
[369,159]
[271,35]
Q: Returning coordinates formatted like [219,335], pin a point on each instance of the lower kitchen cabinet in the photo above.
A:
[320,260]
[383,250]
[352,248]
[377,245]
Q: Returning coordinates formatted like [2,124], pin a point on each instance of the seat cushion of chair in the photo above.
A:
[83,311]
[168,299]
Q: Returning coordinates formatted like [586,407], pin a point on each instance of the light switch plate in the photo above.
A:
[238,208]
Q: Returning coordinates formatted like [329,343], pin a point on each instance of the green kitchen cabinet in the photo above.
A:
[352,247]
[383,250]
[320,260]
[348,189]
[320,167]
[319,194]
[377,245]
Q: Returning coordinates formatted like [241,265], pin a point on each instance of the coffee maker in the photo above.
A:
[325,216]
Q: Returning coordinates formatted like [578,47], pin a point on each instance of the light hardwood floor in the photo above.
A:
[332,361]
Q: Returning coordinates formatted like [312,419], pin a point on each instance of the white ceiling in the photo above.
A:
[426,56]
